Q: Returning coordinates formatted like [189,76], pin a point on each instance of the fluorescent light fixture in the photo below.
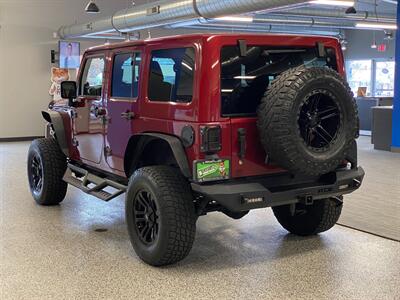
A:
[246,77]
[376,25]
[227,90]
[235,19]
[333,2]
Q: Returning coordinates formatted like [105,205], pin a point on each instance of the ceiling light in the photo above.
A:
[376,25]
[92,8]
[246,77]
[373,45]
[235,19]
[333,2]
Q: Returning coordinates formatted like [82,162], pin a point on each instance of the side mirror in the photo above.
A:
[69,91]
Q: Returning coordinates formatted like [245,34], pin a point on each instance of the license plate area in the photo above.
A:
[211,170]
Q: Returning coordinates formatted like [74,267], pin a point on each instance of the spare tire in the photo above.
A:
[308,120]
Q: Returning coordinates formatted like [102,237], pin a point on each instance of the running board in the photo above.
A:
[92,184]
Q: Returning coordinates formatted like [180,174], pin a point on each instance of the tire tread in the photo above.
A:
[54,166]
[274,121]
[179,214]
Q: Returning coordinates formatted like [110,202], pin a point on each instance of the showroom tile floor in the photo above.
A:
[375,207]
[63,253]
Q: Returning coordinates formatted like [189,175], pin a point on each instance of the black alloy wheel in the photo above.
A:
[36,174]
[146,217]
[319,120]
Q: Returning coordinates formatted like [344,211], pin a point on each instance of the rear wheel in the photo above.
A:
[160,215]
[305,220]
[46,168]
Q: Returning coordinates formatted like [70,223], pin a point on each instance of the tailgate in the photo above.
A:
[248,155]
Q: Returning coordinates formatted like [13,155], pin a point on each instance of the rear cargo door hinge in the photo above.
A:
[242,142]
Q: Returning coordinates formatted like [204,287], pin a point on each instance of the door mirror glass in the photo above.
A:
[68,90]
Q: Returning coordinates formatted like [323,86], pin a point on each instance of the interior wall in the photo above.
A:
[26,39]
[359,46]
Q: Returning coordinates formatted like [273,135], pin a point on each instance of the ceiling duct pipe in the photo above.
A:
[165,12]
[283,20]
[268,29]
[337,14]
[391,1]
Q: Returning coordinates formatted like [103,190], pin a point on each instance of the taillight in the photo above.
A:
[210,139]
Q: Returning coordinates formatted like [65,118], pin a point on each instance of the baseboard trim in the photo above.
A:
[395,149]
[19,139]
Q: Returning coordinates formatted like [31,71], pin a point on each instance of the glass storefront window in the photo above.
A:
[384,83]
[359,74]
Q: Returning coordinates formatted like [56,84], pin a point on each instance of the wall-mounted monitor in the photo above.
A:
[69,54]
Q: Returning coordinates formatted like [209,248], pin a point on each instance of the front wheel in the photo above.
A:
[46,168]
[160,215]
[305,220]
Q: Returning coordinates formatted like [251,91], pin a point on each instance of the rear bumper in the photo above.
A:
[246,194]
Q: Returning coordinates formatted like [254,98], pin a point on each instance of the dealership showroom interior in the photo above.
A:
[199,149]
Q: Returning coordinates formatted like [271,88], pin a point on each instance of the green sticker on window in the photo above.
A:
[212,170]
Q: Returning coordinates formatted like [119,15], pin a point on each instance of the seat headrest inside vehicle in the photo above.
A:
[156,69]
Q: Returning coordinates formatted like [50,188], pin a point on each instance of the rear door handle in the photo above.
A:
[128,115]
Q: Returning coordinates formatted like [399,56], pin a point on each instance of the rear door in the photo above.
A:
[241,91]
[87,124]
[122,105]
[244,80]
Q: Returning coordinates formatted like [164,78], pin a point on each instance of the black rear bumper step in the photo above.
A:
[243,196]
[92,184]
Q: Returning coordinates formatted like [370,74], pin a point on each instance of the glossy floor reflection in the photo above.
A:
[81,250]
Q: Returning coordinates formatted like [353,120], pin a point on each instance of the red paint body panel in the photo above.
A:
[170,118]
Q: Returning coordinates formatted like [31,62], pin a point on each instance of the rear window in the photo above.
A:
[171,75]
[244,80]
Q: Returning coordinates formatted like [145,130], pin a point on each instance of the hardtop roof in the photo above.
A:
[190,37]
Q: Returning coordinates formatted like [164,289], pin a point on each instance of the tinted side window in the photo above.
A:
[122,76]
[125,75]
[171,75]
[92,79]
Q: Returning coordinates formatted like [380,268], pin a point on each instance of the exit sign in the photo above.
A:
[381,48]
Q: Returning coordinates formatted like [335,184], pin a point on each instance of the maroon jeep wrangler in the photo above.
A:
[200,123]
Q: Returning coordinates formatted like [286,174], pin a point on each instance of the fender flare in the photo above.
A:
[56,121]
[138,142]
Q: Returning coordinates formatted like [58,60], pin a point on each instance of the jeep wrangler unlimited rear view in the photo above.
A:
[200,123]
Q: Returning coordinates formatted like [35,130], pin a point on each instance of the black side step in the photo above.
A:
[87,178]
